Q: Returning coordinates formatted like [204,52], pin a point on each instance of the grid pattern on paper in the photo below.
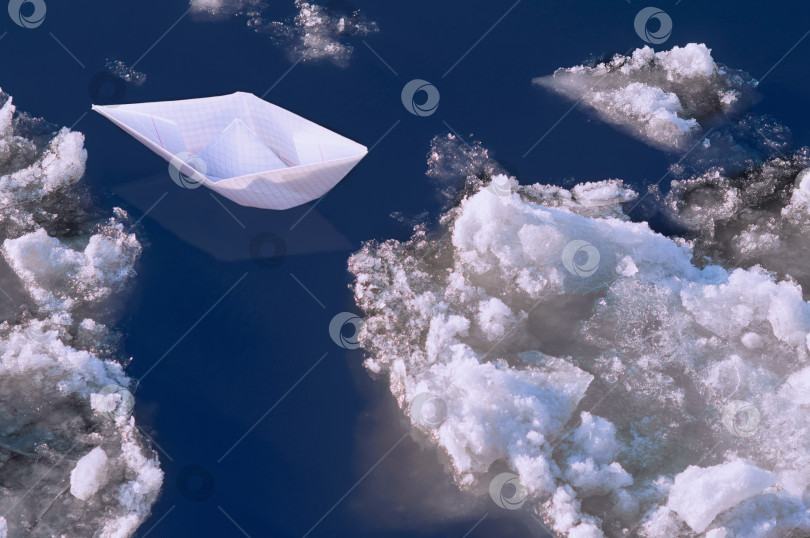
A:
[235,152]
[296,138]
[162,132]
[291,137]
[283,189]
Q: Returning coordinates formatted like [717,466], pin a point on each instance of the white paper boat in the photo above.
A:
[242,147]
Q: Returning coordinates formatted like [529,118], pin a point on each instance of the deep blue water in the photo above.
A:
[215,375]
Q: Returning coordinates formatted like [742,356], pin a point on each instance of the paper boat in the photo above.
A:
[242,147]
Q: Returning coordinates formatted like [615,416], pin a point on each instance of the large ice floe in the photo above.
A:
[637,385]
[667,99]
[72,462]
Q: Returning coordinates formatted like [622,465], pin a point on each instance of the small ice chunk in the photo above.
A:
[690,61]
[751,340]
[596,437]
[125,72]
[493,317]
[656,111]
[89,474]
[796,388]
[317,32]
[699,494]
[585,530]
[45,263]
[210,5]
[661,522]
[602,193]
[589,467]
[222,7]
[564,510]
[627,267]
[591,478]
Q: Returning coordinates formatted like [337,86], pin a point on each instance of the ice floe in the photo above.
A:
[664,98]
[635,387]
[69,464]
[315,32]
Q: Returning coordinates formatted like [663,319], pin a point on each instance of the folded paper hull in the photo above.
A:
[286,188]
[234,132]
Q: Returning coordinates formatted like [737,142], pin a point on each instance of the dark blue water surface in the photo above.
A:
[218,340]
